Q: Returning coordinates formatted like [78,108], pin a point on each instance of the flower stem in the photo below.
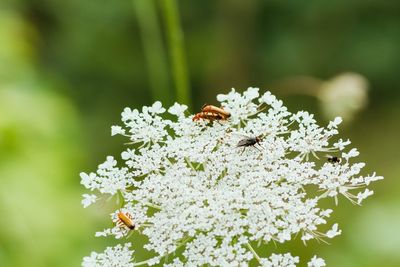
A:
[154,206]
[254,252]
[190,164]
[121,198]
[176,49]
[156,60]
[140,263]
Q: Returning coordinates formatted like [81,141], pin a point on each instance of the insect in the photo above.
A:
[211,113]
[249,141]
[207,116]
[334,159]
[220,111]
[125,220]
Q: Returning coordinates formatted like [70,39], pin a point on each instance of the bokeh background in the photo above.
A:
[68,68]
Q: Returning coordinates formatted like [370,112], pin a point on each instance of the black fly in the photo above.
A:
[249,141]
[334,159]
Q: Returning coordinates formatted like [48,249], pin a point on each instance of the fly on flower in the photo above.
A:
[333,159]
[125,220]
[211,113]
[250,141]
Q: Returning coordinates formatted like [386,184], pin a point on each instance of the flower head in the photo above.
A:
[188,184]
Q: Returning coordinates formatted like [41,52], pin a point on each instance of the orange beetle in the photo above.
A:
[207,116]
[125,220]
[210,112]
[213,109]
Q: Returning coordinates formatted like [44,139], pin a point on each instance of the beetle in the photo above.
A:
[213,109]
[125,220]
[207,116]
[211,113]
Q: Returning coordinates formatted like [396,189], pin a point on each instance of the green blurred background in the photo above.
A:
[68,68]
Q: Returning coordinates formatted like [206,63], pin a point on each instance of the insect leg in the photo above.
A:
[257,148]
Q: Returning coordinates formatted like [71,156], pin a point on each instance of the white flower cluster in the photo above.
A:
[118,256]
[187,184]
